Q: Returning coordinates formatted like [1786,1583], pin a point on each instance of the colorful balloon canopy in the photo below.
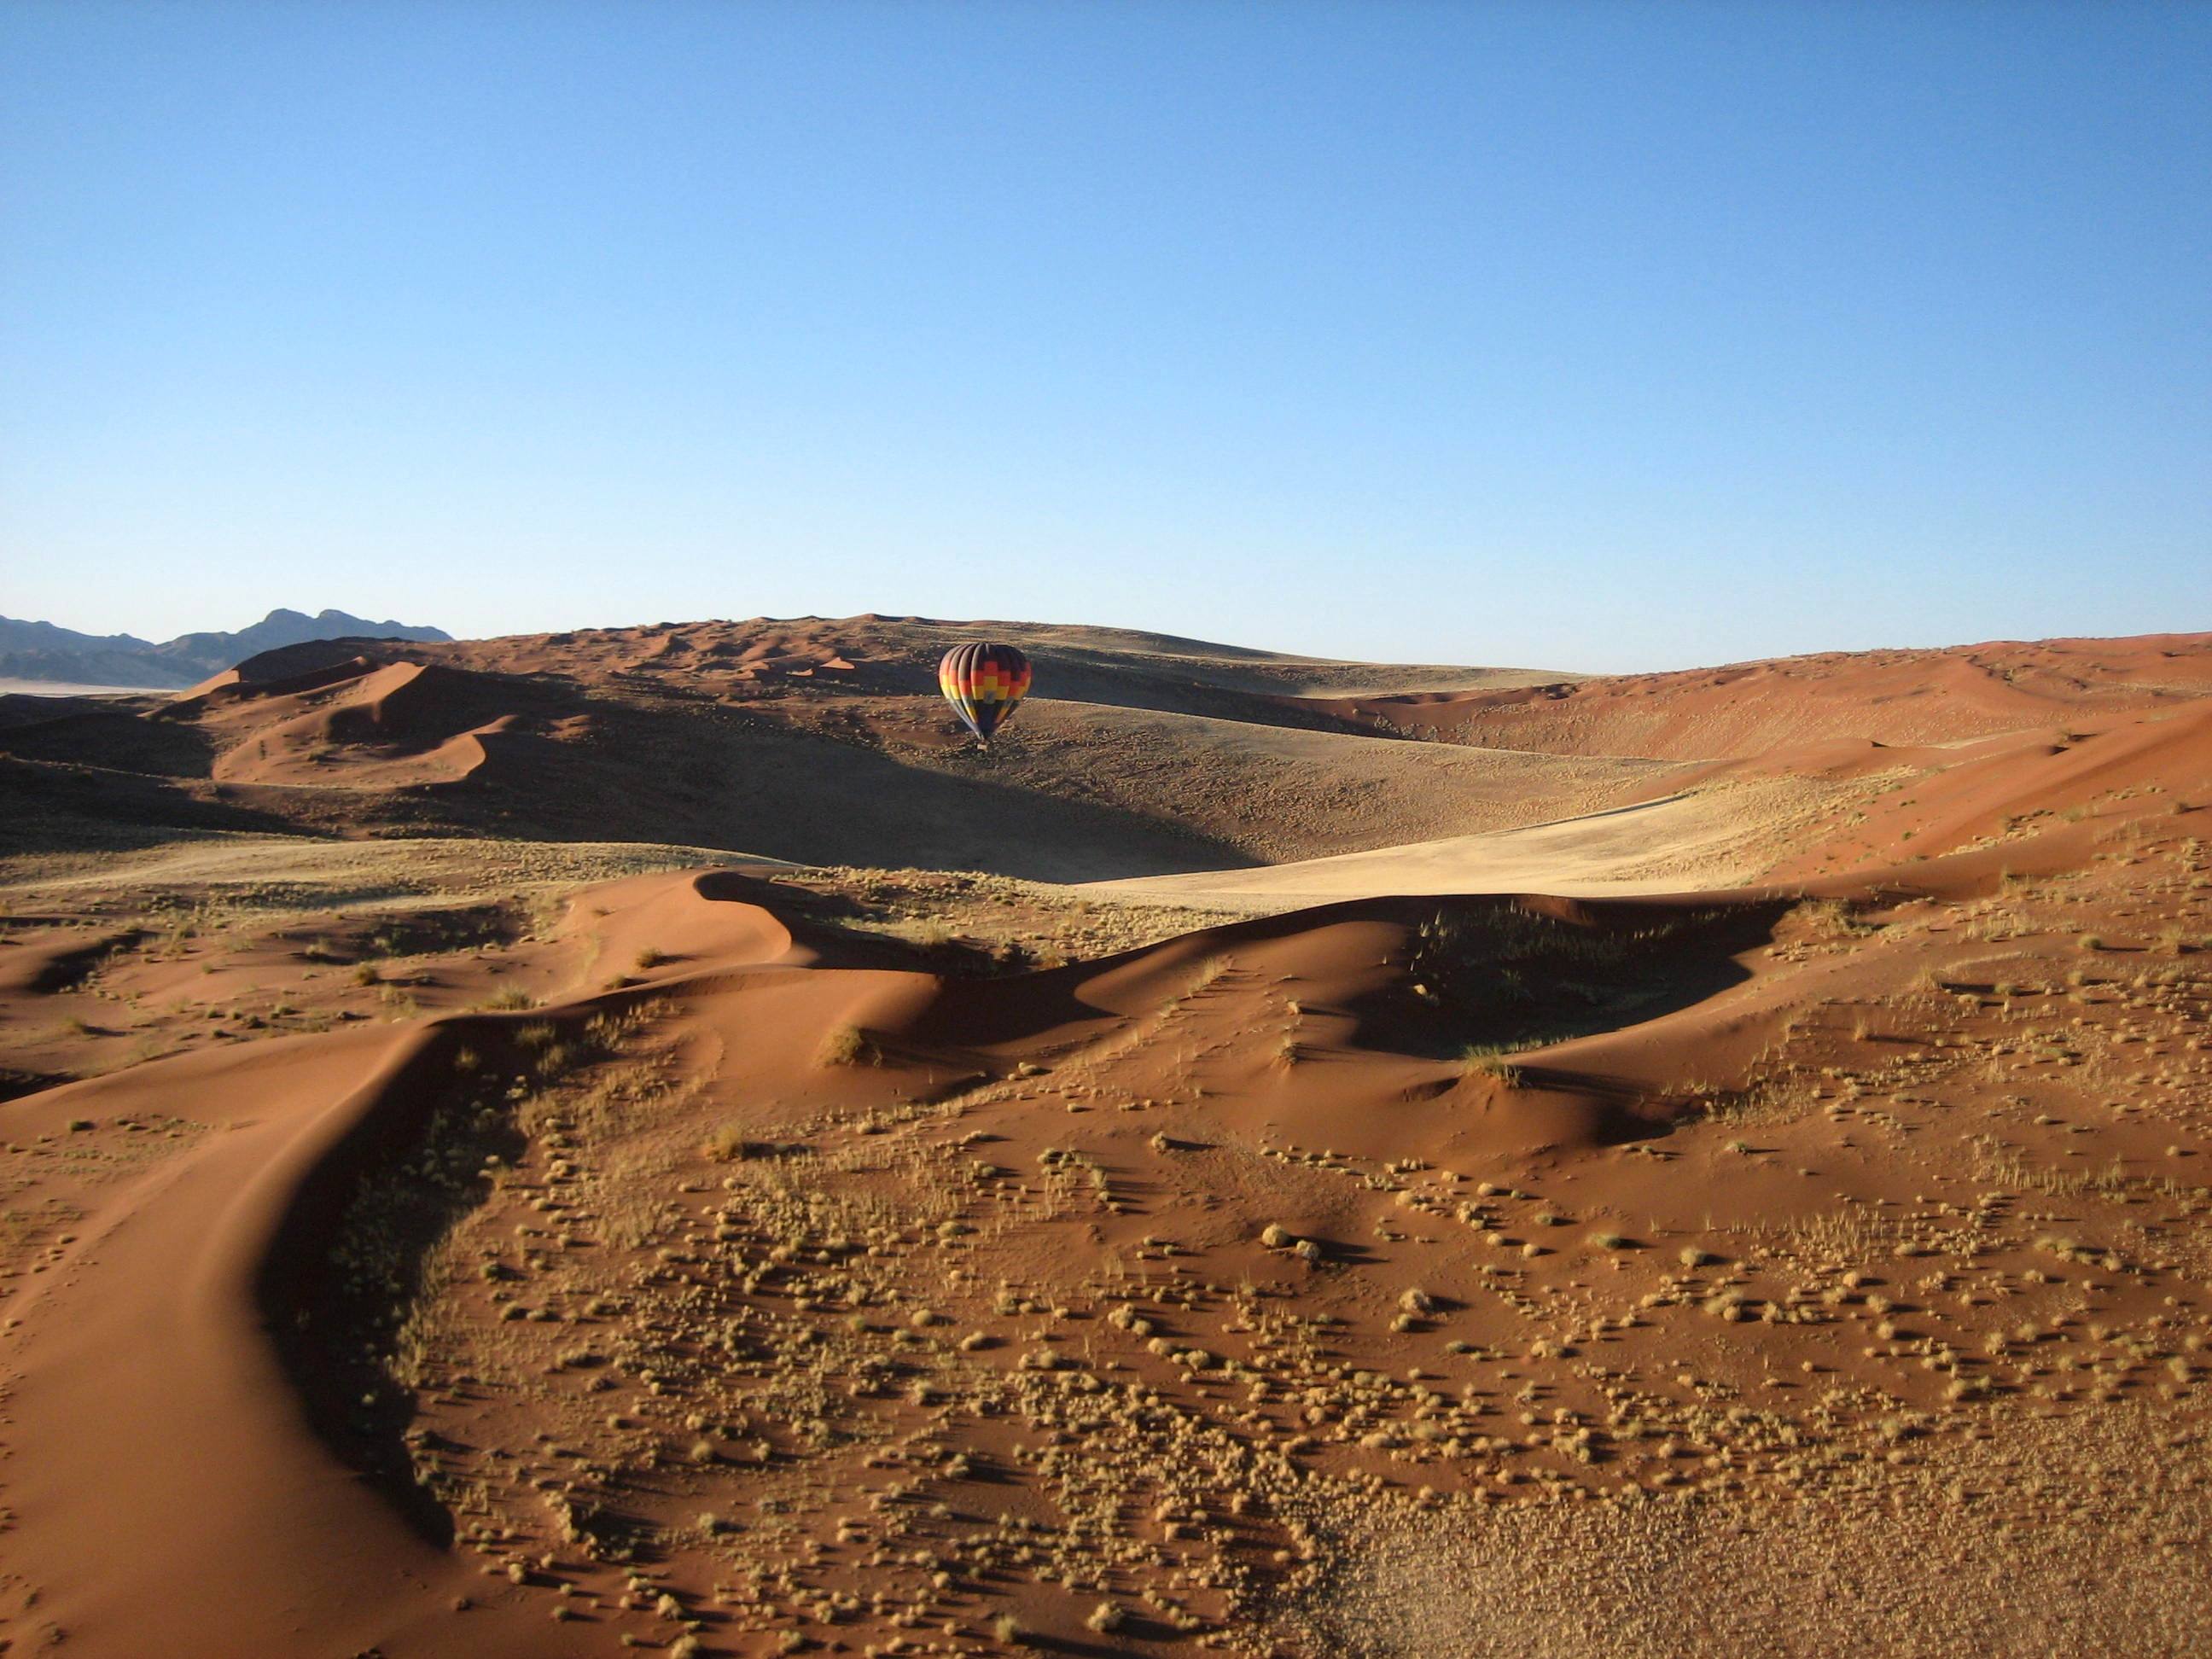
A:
[983,683]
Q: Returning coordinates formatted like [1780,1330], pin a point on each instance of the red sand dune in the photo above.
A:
[148,1347]
[778,1284]
[386,724]
[1892,697]
[203,1514]
[2112,768]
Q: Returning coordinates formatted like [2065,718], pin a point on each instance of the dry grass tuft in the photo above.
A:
[841,1045]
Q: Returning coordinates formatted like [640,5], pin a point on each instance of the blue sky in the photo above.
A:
[1582,336]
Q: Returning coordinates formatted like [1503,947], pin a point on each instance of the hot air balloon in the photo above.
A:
[983,683]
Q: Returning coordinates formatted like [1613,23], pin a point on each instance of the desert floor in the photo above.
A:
[1279,1158]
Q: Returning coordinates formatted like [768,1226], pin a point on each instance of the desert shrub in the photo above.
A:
[725,1145]
[1488,1060]
[841,1045]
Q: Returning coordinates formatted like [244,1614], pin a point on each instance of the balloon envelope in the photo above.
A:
[983,683]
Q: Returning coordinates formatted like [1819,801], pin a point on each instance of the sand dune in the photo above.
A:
[1736,825]
[239,1219]
[1888,696]
[1759,1207]
[364,724]
[146,1351]
[809,740]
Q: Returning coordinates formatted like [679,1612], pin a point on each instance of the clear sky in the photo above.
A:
[1586,336]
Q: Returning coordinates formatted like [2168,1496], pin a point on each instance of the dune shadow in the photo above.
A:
[329,1320]
[1498,975]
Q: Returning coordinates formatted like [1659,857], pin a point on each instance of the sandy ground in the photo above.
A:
[1713,837]
[810,741]
[1771,1218]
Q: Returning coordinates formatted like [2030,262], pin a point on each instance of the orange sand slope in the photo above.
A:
[169,1340]
[1758,1207]
[147,1349]
[1886,696]
[825,741]
[151,1345]
[1795,814]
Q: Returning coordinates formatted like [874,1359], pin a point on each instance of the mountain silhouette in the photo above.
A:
[40,651]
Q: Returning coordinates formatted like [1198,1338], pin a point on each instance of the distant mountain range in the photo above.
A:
[40,651]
